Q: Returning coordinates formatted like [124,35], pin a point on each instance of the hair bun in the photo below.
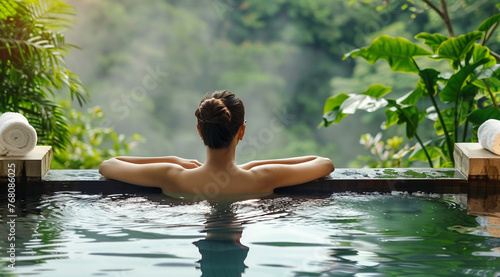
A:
[213,110]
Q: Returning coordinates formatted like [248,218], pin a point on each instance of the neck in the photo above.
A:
[221,158]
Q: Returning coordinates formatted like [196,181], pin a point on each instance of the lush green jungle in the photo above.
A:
[147,64]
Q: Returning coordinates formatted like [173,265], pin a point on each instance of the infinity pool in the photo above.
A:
[75,234]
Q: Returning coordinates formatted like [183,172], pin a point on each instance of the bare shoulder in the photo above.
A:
[267,173]
[151,175]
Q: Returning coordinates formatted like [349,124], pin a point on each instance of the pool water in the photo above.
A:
[75,234]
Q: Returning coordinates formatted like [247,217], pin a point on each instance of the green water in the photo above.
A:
[73,234]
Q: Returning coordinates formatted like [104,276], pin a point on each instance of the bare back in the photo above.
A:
[220,181]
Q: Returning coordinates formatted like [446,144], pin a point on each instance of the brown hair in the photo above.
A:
[220,115]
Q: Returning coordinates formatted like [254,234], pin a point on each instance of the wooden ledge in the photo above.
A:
[476,162]
[30,167]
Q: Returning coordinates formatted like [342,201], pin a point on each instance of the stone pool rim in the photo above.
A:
[475,167]
[431,180]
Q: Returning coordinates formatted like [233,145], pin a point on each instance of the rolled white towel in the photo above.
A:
[488,135]
[17,136]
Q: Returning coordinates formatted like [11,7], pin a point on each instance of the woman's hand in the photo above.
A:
[188,164]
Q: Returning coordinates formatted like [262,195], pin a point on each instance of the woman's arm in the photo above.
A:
[152,174]
[185,163]
[288,172]
[295,160]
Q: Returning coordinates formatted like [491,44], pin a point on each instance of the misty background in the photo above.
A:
[148,64]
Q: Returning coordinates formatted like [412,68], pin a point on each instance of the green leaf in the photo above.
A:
[469,92]
[489,22]
[413,96]
[429,79]
[455,49]
[409,115]
[377,91]
[361,102]
[487,84]
[369,100]
[419,154]
[448,116]
[392,118]
[479,116]
[491,76]
[398,52]
[334,102]
[331,111]
[339,106]
[493,71]
[432,40]
[412,117]
[452,89]
[482,52]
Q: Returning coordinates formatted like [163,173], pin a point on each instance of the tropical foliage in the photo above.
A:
[457,100]
[91,141]
[33,73]
[32,67]
[384,154]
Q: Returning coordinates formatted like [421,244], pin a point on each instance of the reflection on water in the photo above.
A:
[484,201]
[222,253]
[341,234]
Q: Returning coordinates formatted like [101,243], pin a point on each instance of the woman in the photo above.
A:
[221,126]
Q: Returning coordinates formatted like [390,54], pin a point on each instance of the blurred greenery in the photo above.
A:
[149,63]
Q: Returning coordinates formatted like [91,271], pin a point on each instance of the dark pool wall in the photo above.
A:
[341,180]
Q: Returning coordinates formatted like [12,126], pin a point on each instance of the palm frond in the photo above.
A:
[32,65]
[42,45]
[8,9]
[52,14]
